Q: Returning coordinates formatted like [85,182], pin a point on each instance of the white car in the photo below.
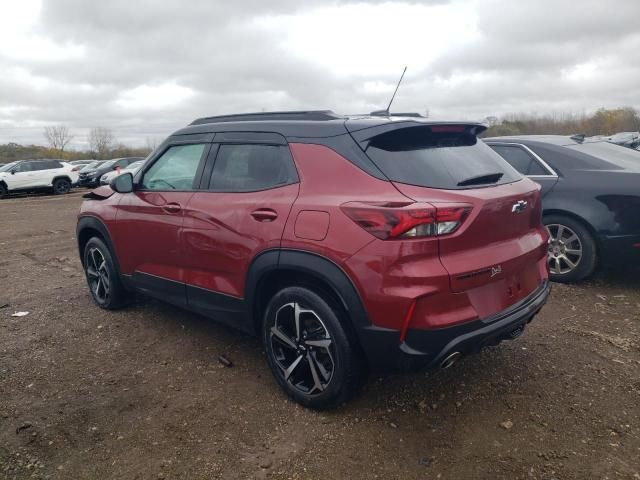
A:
[132,168]
[34,175]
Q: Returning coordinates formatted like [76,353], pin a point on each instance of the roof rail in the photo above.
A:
[314,115]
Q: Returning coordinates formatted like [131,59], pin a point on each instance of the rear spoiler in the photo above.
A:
[363,135]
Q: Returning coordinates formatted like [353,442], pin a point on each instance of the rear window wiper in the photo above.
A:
[481,179]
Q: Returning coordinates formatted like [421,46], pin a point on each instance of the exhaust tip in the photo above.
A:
[450,360]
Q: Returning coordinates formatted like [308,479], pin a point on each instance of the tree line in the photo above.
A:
[102,145]
[601,122]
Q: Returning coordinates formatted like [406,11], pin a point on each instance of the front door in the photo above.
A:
[149,222]
[241,211]
[22,176]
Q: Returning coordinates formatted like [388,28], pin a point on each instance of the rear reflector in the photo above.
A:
[407,321]
[391,221]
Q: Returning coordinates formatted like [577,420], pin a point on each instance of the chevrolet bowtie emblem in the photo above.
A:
[519,206]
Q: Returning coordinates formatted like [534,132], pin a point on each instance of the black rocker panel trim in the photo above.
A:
[222,308]
[158,287]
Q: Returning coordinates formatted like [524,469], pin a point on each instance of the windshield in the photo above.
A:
[613,156]
[89,166]
[439,157]
[7,167]
[135,165]
[106,164]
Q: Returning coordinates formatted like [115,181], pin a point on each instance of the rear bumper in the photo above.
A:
[619,250]
[429,348]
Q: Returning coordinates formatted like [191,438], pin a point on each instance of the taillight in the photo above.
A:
[391,221]
[75,169]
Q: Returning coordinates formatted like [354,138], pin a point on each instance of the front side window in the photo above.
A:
[251,168]
[176,169]
[25,167]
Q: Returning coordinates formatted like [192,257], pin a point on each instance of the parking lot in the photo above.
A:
[140,393]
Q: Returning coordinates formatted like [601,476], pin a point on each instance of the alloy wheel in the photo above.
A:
[61,187]
[302,349]
[98,275]
[564,250]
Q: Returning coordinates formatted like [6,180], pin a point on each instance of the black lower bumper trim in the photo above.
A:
[428,348]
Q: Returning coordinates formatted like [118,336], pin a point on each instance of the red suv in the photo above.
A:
[346,243]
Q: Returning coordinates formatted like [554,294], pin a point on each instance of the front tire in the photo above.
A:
[61,186]
[309,350]
[3,190]
[572,253]
[102,276]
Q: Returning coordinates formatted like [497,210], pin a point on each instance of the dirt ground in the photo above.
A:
[140,394]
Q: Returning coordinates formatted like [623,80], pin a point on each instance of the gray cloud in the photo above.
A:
[220,57]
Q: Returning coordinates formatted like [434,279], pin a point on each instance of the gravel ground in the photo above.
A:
[139,393]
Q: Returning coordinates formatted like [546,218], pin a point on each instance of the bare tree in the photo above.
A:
[58,136]
[101,141]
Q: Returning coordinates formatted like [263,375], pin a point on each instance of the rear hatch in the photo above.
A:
[499,242]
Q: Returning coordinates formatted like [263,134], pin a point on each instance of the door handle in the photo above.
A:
[172,207]
[264,215]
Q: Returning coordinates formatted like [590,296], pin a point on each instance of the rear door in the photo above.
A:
[249,185]
[497,253]
[527,163]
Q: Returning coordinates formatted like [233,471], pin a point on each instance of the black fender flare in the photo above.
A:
[314,265]
[58,177]
[94,223]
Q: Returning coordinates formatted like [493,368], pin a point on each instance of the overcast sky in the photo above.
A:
[147,67]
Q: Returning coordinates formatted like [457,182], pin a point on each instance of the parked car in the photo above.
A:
[36,175]
[75,163]
[346,243]
[591,199]
[90,177]
[626,139]
[133,168]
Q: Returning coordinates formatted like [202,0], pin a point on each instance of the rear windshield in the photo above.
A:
[439,157]
[613,157]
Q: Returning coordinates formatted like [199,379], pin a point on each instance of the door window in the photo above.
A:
[520,159]
[176,169]
[25,167]
[251,168]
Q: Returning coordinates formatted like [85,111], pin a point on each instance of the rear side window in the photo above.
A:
[520,159]
[176,169]
[447,159]
[250,168]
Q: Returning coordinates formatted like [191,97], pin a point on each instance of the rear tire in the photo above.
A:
[102,276]
[61,186]
[316,364]
[572,253]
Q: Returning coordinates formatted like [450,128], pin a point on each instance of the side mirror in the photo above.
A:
[122,183]
[13,171]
